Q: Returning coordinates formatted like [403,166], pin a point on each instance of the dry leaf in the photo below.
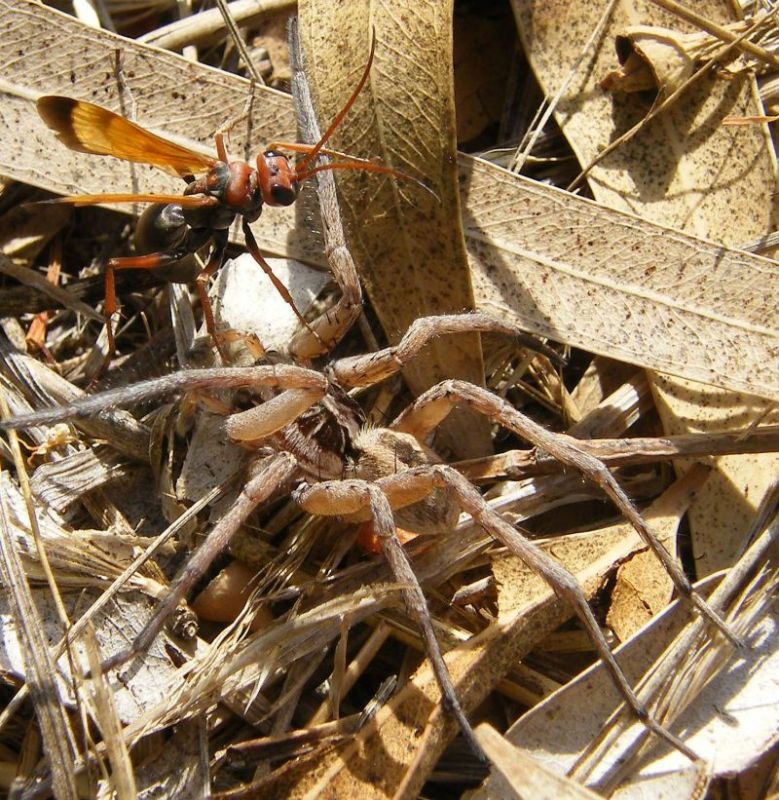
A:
[517,775]
[119,621]
[684,169]
[661,59]
[729,723]
[613,284]
[408,246]
[687,170]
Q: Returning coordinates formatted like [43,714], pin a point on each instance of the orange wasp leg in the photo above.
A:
[215,261]
[152,261]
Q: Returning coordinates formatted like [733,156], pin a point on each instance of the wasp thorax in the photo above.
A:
[242,191]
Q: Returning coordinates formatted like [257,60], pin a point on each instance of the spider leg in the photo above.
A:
[412,485]
[433,406]
[336,498]
[331,326]
[367,370]
[279,376]
[268,477]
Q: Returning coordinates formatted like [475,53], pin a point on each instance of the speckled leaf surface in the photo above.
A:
[688,171]
[684,169]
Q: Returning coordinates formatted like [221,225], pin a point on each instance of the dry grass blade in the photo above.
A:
[103,711]
[53,721]
[209,24]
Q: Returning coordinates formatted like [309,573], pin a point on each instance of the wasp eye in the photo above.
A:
[283,195]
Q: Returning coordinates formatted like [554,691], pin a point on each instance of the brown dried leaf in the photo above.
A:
[642,590]
[614,284]
[729,722]
[684,169]
[407,245]
[660,58]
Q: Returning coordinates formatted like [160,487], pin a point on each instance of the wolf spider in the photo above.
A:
[312,437]
[311,440]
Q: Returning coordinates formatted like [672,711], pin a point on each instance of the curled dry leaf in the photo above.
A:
[660,59]
[683,169]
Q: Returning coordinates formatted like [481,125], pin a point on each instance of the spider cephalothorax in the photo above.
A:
[322,438]
[332,441]
[381,452]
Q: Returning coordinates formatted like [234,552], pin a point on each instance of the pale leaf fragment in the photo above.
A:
[523,777]
[245,300]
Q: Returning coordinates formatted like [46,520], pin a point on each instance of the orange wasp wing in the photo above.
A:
[88,128]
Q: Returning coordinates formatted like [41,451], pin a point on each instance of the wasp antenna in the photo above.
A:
[366,166]
[344,111]
[297,147]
